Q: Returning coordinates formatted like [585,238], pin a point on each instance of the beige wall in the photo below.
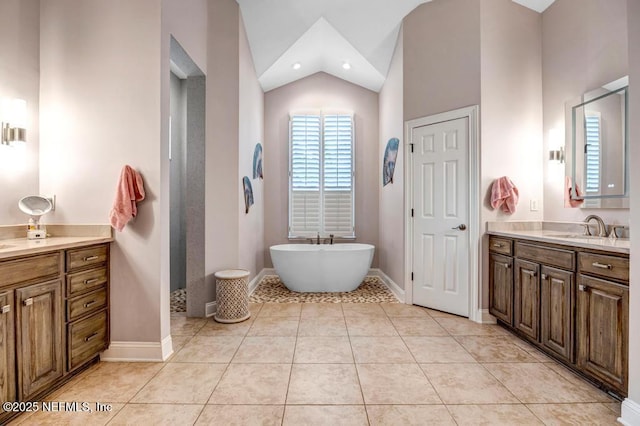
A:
[391,197]
[441,57]
[320,91]
[100,103]
[633,16]
[223,188]
[20,78]
[583,48]
[511,108]
[511,111]
[251,225]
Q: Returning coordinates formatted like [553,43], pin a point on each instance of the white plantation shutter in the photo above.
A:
[304,200]
[338,175]
[592,153]
[321,186]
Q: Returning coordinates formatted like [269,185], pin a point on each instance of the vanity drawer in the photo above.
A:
[84,257]
[501,245]
[29,268]
[86,338]
[81,282]
[604,266]
[82,305]
[546,255]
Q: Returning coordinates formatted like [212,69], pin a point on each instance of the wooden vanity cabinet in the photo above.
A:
[603,319]
[39,329]
[7,348]
[527,298]
[87,304]
[501,279]
[556,311]
[501,292]
[544,277]
[54,319]
[572,303]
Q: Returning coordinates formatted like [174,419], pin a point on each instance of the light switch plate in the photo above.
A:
[533,205]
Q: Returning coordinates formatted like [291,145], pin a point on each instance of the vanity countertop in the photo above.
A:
[62,237]
[537,232]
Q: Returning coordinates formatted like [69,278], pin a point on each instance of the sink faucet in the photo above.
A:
[602,228]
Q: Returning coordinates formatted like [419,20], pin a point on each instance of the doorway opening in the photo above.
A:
[187,180]
[443,205]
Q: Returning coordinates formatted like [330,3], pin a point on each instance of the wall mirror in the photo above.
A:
[597,155]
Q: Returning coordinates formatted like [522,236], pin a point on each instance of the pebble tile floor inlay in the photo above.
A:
[272,290]
[336,364]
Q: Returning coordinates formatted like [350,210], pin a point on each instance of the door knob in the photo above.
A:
[461,227]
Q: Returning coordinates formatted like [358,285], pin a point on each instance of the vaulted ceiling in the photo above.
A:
[350,39]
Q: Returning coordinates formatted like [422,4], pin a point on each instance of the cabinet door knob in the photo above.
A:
[601,265]
[6,308]
[91,281]
[530,273]
[507,266]
[583,287]
[496,245]
[88,304]
[543,276]
[28,302]
[90,258]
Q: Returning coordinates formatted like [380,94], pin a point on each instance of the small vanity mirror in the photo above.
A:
[34,205]
[598,160]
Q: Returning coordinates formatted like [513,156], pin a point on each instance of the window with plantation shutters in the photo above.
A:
[321,175]
[592,153]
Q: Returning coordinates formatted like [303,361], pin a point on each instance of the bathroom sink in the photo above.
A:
[577,236]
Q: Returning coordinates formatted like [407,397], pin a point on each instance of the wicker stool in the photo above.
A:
[232,296]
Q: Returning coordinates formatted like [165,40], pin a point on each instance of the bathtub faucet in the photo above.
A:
[318,239]
[328,240]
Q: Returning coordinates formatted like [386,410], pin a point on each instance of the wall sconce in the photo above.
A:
[556,145]
[14,118]
[557,155]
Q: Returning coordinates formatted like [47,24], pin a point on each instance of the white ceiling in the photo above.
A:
[322,35]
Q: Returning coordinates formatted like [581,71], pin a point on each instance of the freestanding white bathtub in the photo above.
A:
[322,268]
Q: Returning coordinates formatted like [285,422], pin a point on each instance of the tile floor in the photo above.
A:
[337,364]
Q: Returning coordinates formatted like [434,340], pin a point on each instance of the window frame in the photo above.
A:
[322,231]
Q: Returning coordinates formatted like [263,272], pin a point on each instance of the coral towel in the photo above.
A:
[568,201]
[504,193]
[130,191]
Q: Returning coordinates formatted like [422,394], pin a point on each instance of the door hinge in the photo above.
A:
[411,212]
[412,276]
[411,147]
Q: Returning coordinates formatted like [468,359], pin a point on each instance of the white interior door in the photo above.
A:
[440,181]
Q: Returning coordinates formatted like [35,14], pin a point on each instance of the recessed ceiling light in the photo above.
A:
[296,66]
[346,66]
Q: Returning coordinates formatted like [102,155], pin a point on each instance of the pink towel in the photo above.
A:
[568,201]
[504,193]
[130,191]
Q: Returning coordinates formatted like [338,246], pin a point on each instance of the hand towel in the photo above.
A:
[504,194]
[568,201]
[130,191]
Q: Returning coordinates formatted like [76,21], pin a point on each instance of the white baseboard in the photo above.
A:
[210,309]
[391,285]
[630,413]
[485,317]
[138,351]
[253,284]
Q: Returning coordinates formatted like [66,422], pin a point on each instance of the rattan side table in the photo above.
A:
[232,296]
